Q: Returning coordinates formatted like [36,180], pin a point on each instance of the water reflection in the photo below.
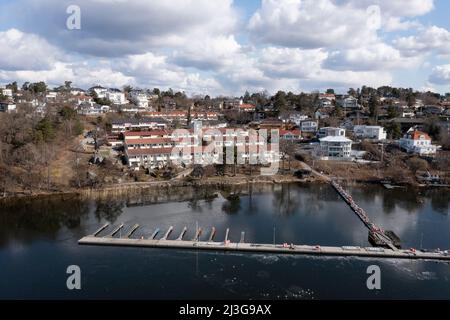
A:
[109,209]
[27,219]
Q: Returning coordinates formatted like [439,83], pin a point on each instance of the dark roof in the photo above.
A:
[138,121]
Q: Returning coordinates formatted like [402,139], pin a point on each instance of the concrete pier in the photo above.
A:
[269,248]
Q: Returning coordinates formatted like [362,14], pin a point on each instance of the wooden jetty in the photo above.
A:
[132,230]
[96,233]
[113,233]
[154,234]
[183,232]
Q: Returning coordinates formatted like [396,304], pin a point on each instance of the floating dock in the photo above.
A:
[268,248]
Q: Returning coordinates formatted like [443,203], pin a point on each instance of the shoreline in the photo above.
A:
[217,182]
[134,187]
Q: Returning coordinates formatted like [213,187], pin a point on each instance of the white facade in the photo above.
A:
[7,107]
[7,92]
[100,92]
[92,110]
[339,148]
[76,91]
[309,126]
[139,98]
[331,132]
[370,132]
[418,142]
[51,95]
[117,98]
[349,103]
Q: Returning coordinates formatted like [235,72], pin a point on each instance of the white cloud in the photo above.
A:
[440,75]
[117,27]
[20,51]
[208,54]
[310,24]
[306,67]
[397,8]
[80,74]
[378,56]
[150,70]
[428,39]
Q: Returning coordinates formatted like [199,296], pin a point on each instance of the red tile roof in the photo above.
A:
[416,135]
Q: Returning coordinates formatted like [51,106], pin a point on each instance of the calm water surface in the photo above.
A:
[38,240]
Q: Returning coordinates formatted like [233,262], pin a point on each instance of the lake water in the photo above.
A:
[38,241]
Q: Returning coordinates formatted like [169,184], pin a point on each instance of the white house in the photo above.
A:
[417,142]
[309,126]
[139,98]
[7,107]
[335,148]
[92,110]
[349,103]
[51,95]
[7,92]
[293,117]
[116,97]
[100,92]
[407,113]
[331,132]
[370,132]
[76,91]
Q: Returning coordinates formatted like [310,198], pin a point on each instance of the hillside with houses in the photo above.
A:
[67,138]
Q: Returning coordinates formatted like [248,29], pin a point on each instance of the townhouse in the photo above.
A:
[144,124]
[157,148]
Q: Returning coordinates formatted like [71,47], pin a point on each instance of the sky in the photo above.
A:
[226,47]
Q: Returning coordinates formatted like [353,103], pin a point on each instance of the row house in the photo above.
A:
[144,124]
[157,148]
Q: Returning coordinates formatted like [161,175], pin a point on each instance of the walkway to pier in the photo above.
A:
[377,232]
